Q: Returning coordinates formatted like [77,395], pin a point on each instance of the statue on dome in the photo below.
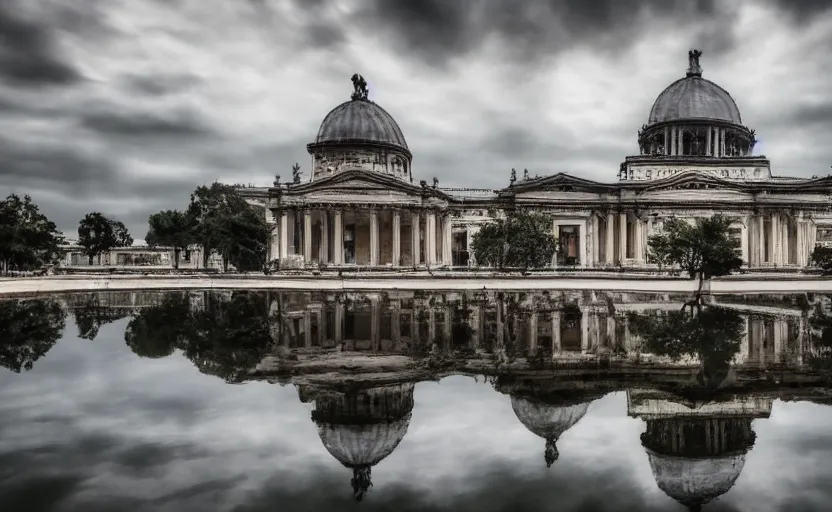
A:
[435,182]
[694,69]
[360,87]
[276,181]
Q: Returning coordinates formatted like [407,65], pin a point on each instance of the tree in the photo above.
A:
[821,257]
[703,248]
[30,329]
[171,228]
[28,239]
[522,240]
[92,315]
[98,234]
[224,222]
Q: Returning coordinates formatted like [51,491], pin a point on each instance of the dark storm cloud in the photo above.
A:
[161,84]
[33,162]
[816,116]
[171,124]
[28,55]
[440,31]
[803,11]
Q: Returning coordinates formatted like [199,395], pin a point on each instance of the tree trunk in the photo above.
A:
[205,251]
[176,258]
[90,258]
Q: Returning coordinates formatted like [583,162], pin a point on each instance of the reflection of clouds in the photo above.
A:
[94,425]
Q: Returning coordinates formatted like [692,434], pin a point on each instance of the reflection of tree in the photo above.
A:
[91,315]
[231,335]
[30,328]
[820,330]
[156,331]
[226,338]
[711,334]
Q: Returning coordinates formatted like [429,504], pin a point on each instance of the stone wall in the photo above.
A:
[332,161]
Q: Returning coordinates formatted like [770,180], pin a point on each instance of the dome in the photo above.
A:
[362,445]
[547,421]
[694,97]
[695,481]
[360,121]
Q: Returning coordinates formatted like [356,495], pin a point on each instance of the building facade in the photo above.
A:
[362,205]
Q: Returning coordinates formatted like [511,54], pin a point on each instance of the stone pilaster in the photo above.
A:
[415,232]
[596,240]
[338,238]
[307,236]
[324,245]
[622,238]
[374,238]
[609,248]
[447,240]
[397,238]
[284,235]
[430,239]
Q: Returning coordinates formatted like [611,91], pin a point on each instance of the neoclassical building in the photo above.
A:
[364,205]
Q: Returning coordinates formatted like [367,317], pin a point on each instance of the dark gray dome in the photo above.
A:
[360,121]
[694,97]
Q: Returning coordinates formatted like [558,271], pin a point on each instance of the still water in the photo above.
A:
[196,401]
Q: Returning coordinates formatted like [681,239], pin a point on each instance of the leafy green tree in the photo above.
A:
[171,228]
[225,223]
[155,332]
[98,234]
[821,257]
[30,329]
[522,240]
[703,248]
[28,239]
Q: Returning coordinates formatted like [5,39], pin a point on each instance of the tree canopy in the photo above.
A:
[704,247]
[821,257]
[224,222]
[28,239]
[171,228]
[98,234]
[521,240]
[30,329]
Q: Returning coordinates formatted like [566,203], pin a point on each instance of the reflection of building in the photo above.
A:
[362,206]
[548,421]
[360,428]
[572,325]
[696,450]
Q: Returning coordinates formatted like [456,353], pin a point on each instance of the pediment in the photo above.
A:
[358,182]
[560,182]
[689,181]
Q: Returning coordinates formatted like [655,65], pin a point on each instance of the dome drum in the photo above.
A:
[716,139]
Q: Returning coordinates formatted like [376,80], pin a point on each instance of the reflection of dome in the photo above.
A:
[695,482]
[360,121]
[694,97]
[547,421]
[360,428]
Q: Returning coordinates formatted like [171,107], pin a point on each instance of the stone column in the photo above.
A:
[774,239]
[339,323]
[596,240]
[556,332]
[397,238]
[324,245]
[338,238]
[284,234]
[786,239]
[622,238]
[374,238]
[307,328]
[415,230]
[447,240]
[430,239]
[666,141]
[708,142]
[609,246]
[307,236]
[745,248]
[761,239]
[274,242]
[681,141]
[533,332]
[673,144]
[722,142]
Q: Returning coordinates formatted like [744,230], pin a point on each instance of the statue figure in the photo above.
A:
[513,178]
[423,183]
[525,174]
[276,181]
[693,63]
[359,85]
[435,182]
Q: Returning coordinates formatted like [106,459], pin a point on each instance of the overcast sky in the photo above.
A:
[125,106]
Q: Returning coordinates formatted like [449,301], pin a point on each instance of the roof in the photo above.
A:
[692,98]
[360,121]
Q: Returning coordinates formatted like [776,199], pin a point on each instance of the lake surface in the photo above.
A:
[488,401]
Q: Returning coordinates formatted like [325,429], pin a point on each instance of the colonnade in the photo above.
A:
[363,236]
